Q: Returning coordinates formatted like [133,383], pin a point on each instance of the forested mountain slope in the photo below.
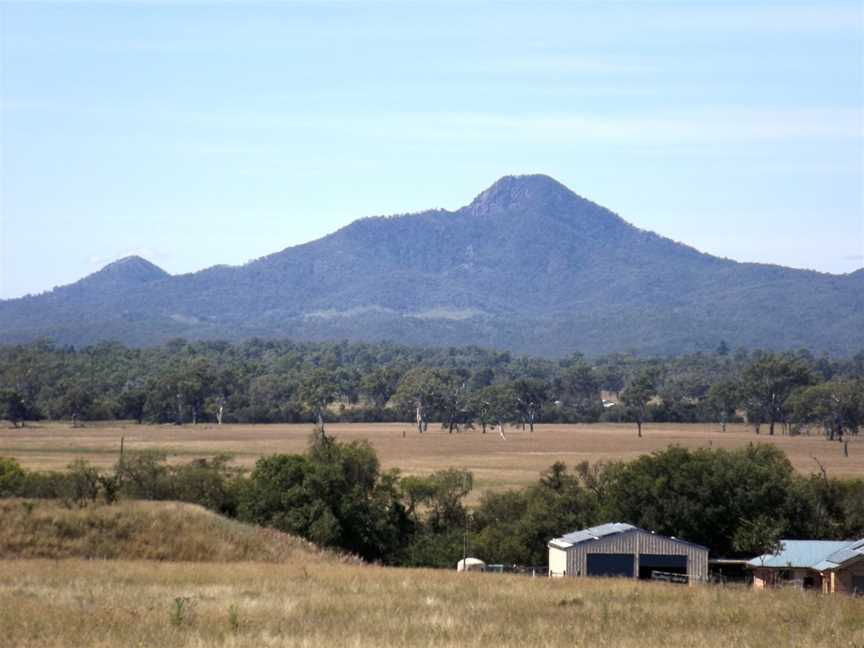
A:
[528,266]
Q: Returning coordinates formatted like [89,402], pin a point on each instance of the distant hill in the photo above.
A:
[528,266]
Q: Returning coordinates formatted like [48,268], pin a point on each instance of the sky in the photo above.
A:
[196,134]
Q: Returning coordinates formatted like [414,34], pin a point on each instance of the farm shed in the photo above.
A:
[825,565]
[619,549]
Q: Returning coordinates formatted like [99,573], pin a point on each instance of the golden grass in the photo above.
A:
[141,531]
[75,603]
[496,463]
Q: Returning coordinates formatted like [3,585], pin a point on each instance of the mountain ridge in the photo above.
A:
[528,266]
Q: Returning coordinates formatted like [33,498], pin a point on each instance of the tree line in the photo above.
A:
[736,502]
[263,381]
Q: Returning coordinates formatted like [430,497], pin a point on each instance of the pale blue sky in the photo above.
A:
[203,133]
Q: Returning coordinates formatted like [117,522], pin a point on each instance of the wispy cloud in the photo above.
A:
[756,16]
[685,127]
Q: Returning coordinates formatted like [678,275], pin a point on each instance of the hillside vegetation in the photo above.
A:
[166,531]
[528,266]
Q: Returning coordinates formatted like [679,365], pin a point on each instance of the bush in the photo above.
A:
[335,495]
[12,477]
[144,475]
[212,483]
[82,482]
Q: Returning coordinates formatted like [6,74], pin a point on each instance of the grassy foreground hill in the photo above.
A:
[285,593]
[165,531]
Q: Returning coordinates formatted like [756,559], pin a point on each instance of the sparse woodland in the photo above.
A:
[262,381]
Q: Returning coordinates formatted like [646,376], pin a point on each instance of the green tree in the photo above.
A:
[515,526]
[12,407]
[378,386]
[836,406]
[636,396]
[77,401]
[316,391]
[501,402]
[195,380]
[704,495]
[334,495]
[530,395]
[723,400]
[132,403]
[759,537]
[435,505]
[579,389]
[420,391]
[454,404]
[769,381]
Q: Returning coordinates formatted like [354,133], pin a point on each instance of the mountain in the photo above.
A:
[528,266]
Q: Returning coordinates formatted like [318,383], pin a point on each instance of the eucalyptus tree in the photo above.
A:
[637,394]
[578,388]
[12,407]
[316,391]
[723,399]
[378,386]
[421,390]
[837,406]
[769,381]
[530,396]
[77,401]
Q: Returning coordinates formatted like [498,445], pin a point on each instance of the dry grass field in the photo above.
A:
[304,597]
[497,463]
[118,604]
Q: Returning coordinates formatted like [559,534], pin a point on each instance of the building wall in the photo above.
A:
[761,578]
[636,542]
[557,562]
[770,576]
[844,579]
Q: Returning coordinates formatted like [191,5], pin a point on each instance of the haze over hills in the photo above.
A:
[527,266]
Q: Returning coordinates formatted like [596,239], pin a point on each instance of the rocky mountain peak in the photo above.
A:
[522,192]
[132,269]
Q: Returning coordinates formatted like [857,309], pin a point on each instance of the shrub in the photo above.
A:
[82,482]
[11,477]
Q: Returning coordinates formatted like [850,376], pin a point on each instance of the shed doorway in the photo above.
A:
[610,565]
[650,563]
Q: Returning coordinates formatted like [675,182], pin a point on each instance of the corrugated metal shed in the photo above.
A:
[568,555]
[801,554]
